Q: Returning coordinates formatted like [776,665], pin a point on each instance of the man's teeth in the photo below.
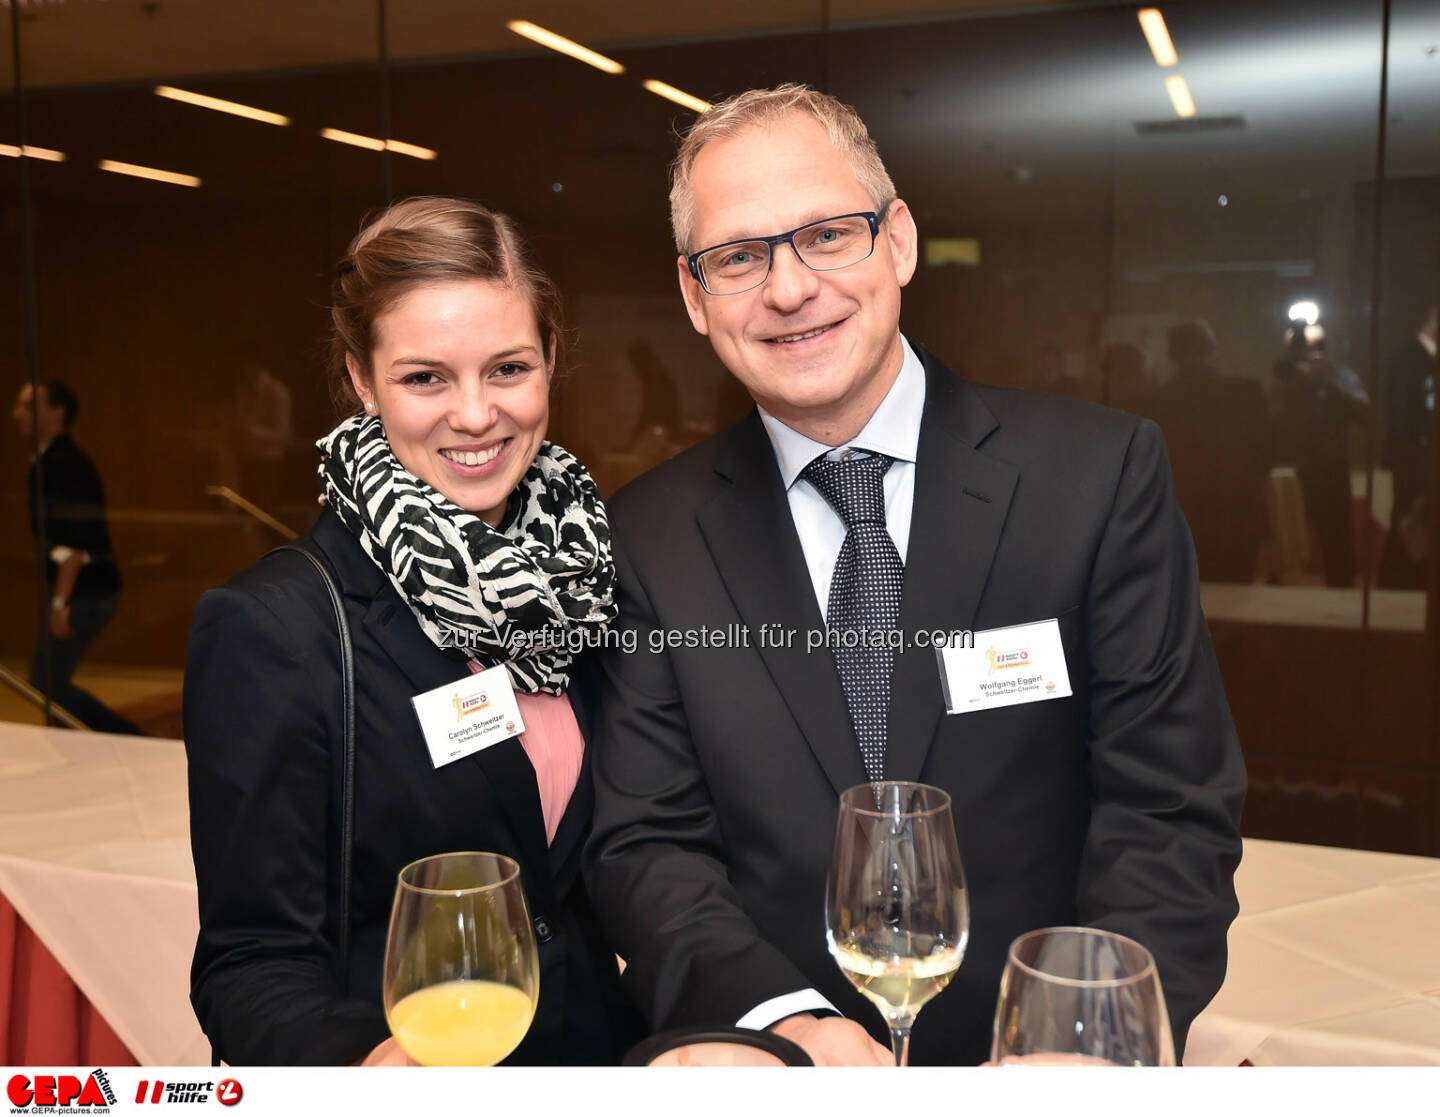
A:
[802,337]
[470,457]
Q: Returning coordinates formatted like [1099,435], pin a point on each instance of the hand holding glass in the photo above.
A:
[896,911]
[1081,996]
[461,972]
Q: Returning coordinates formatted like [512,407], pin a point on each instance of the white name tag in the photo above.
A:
[1007,666]
[470,714]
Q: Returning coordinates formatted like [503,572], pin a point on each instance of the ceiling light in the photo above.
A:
[1180,96]
[13,152]
[151,173]
[370,143]
[679,96]
[1306,311]
[1158,36]
[233,108]
[537,34]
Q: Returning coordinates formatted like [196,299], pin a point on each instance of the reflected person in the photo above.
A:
[67,512]
[461,539]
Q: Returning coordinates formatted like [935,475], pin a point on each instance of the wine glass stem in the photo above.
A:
[900,1042]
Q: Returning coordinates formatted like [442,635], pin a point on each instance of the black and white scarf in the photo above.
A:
[528,594]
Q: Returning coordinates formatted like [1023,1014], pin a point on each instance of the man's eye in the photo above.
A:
[737,259]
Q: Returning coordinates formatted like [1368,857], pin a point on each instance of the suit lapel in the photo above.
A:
[961,500]
[751,536]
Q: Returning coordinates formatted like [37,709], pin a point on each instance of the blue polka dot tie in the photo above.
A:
[864,603]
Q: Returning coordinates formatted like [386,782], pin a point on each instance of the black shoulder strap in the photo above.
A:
[347,756]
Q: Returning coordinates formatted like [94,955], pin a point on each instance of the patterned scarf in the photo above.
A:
[529,594]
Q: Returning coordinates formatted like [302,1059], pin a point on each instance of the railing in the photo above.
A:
[226,493]
[36,699]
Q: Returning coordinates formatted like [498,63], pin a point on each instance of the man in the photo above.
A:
[82,579]
[718,768]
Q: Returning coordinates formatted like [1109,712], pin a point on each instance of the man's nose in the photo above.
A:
[790,283]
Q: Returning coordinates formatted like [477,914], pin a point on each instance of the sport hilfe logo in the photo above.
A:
[227,1092]
[52,1091]
[465,707]
[999,661]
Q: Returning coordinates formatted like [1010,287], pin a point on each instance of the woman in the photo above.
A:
[460,540]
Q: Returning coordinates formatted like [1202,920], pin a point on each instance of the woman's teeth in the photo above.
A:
[470,457]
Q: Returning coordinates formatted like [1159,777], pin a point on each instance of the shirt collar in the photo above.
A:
[1427,341]
[894,429]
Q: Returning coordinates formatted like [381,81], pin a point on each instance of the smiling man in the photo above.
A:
[872,490]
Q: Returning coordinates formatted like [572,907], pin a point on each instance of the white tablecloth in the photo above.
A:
[1334,960]
[95,857]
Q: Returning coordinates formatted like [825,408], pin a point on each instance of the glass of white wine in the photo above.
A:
[461,972]
[1080,996]
[897,916]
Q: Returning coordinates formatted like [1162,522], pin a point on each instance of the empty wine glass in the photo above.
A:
[1081,996]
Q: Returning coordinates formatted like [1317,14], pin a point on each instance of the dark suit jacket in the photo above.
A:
[718,770]
[262,733]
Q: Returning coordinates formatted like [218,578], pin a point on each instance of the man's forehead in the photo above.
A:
[770,178]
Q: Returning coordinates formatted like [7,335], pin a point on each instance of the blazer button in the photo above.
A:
[542,929]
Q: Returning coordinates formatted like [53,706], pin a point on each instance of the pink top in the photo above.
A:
[555,747]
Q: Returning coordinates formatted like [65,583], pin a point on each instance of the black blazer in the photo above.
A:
[718,769]
[262,734]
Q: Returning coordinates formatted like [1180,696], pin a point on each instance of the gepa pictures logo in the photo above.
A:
[60,1093]
[465,707]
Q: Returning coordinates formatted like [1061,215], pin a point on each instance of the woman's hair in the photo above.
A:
[419,242]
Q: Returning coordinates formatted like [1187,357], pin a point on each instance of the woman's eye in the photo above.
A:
[511,369]
[419,379]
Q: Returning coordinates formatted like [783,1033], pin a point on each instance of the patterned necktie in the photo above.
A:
[864,606]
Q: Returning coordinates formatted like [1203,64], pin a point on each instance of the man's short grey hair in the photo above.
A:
[757,107]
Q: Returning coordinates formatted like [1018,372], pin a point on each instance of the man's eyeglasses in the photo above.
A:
[741,265]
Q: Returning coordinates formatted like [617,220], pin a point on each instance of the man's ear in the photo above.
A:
[694,296]
[904,240]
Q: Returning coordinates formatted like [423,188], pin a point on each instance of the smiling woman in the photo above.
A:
[461,542]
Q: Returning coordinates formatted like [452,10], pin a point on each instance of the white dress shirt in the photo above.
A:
[893,430]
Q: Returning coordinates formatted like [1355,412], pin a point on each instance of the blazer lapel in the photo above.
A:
[961,500]
[751,536]
[389,626]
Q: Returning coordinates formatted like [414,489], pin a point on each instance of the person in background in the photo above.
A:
[1410,376]
[1217,429]
[460,539]
[67,515]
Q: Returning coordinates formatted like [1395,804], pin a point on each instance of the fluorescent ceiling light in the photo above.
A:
[148,172]
[537,34]
[13,152]
[370,143]
[233,108]
[1180,96]
[679,96]
[1307,311]
[1158,36]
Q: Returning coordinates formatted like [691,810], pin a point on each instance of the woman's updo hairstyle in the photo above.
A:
[422,241]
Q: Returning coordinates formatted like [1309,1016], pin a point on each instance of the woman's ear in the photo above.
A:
[361,383]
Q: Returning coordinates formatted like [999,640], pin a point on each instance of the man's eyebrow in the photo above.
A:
[750,234]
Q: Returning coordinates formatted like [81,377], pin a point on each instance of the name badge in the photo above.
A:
[1006,667]
[468,715]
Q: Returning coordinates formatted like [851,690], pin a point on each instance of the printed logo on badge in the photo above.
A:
[470,714]
[1005,667]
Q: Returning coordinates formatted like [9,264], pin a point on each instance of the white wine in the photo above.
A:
[462,1023]
[898,985]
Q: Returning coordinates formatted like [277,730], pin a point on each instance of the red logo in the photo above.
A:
[47,1090]
[228,1091]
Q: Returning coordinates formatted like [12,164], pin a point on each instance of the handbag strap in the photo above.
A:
[347,755]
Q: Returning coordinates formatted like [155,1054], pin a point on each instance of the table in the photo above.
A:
[1334,960]
[95,858]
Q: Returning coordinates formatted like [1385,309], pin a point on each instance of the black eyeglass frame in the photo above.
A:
[872,218]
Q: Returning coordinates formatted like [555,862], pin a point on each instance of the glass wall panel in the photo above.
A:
[184,250]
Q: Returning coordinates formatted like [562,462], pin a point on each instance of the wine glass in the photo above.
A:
[461,972]
[1078,995]
[896,910]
